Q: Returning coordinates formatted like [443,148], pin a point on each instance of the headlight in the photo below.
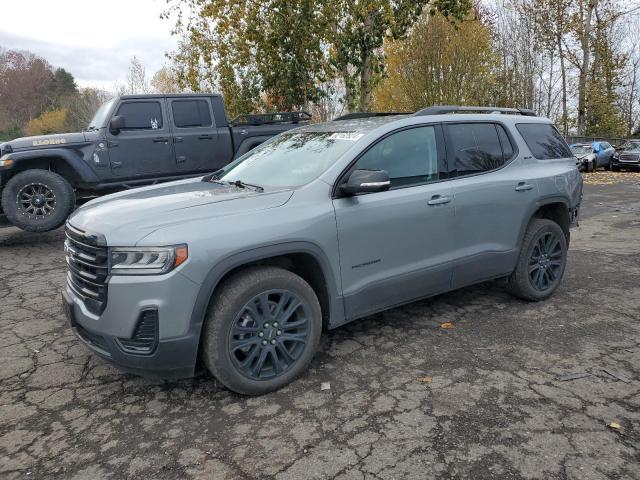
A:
[146,260]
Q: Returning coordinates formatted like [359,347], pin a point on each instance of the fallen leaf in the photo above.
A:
[616,375]
[447,325]
[614,426]
[426,379]
[325,386]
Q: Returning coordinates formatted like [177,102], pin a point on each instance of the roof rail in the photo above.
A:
[443,109]
[355,115]
[267,118]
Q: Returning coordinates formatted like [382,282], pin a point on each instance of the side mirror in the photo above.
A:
[117,123]
[366,181]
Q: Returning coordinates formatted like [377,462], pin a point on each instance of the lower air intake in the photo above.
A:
[145,337]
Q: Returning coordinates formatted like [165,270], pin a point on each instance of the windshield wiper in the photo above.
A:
[241,184]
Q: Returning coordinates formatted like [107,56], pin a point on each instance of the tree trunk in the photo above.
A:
[366,73]
[563,73]
[585,46]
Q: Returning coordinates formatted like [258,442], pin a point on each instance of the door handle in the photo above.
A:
[116,164]
[205,137]
[161,140]
[523,187]
[439,200]
[177,139]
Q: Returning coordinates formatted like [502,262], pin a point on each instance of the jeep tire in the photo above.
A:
[37,200]
[541,262]
[255,338]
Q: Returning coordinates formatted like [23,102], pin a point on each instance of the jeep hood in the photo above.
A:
[125,218]
[47,141]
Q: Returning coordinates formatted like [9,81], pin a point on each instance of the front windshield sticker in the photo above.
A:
[351,136]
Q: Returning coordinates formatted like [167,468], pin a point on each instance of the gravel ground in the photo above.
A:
[514,390]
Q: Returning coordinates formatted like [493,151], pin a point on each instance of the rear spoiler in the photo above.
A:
[271,118]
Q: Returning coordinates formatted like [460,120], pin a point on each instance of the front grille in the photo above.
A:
[88,270]
[145,337]
[629,158]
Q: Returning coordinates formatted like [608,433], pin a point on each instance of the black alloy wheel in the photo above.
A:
[545,262]
[269,334]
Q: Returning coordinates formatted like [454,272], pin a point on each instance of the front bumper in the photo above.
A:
[618,164]
[174,353]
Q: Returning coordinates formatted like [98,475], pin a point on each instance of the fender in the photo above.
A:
[73,160]
[336,307]
[534,208]
[250,143]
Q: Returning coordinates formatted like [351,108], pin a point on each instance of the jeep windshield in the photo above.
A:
[100,117]
[289,160]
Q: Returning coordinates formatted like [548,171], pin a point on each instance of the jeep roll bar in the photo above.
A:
[270,118]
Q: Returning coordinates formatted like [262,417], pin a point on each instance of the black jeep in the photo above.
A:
[131,141]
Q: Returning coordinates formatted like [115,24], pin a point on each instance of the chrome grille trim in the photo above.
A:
[88,269]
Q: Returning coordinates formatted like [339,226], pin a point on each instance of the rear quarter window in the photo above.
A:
[544,141]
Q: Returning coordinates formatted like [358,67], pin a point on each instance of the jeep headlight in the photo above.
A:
[146,260]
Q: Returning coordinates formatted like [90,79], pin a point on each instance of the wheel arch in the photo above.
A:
[62,161]
[302,258]
[554,208]
[249,144]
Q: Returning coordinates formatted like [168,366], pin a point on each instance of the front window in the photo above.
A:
[100,117]
[290,159]
[631,147]
[580,149]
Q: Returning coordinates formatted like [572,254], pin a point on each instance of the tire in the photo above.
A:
[521,283]
[591,167]
[607,167]
[232,313]
[54,200]
[615,169]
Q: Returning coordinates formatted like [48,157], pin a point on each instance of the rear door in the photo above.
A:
[395,245]
[195,135]
[491,197]
[143,147]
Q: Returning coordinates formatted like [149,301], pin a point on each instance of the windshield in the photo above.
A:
[580,149]
[100,117]
[631,146]
[290,159]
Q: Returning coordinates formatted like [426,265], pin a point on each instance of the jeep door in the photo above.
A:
[197,142]
[395,245]
[143,147]
[492,195]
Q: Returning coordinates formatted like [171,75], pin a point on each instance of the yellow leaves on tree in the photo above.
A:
[439,63]
[52,121]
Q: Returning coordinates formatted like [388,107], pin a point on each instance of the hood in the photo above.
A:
[582,156]
[126,217]
[47,141]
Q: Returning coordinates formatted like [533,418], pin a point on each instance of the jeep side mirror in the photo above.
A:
[366,181]
[117,123]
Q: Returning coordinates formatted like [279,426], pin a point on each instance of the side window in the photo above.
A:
[191,113]
[507,147]
[474,147]
[141,115]
[544,141]
[410,157]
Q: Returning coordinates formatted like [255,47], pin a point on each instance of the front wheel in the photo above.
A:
[262,330]
[37,200]
[541,263]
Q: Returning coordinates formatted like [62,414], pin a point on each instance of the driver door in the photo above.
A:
[395,245]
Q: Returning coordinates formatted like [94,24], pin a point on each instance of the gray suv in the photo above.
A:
[241,270]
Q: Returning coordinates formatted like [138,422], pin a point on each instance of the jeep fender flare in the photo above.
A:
[249,144]
[237,259]
[84,171]
[534,207]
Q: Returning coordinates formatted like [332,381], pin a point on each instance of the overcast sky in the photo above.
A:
[93,40]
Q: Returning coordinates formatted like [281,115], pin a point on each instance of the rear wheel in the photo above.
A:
[37,200]
[541,263]
[262,330]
